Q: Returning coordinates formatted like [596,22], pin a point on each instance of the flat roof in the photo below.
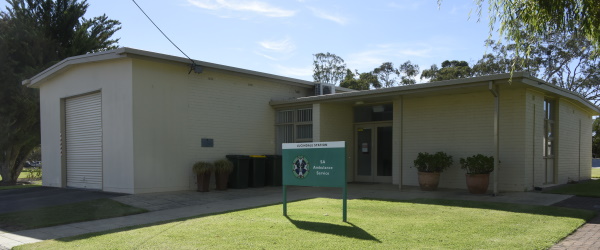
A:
[456,84]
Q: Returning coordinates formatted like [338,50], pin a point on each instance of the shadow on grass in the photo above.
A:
[587,188]
[506,207]
[350,231]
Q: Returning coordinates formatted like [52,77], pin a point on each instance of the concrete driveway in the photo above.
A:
[13,200]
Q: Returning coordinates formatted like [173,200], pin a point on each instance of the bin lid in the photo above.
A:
[237,156]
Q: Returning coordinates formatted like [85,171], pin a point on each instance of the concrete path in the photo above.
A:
[36,197]
[587,236]
[176,205]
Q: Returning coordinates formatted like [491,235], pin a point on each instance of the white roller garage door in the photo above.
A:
[83,137]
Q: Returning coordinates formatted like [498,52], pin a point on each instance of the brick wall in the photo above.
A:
[462,125]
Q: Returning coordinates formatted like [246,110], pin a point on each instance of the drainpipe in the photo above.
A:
[494,92]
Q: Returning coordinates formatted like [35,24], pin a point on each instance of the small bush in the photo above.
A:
[478,164]
[437,162]
[202,167]
[223,166]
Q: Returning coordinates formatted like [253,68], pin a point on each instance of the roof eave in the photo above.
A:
[36,80]
[402,90]
[129,52]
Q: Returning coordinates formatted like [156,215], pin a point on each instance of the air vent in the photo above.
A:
[324,89]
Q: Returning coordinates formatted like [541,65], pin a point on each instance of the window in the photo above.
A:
[549,119]
[293,125]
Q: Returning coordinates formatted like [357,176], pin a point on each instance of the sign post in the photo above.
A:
[315,164]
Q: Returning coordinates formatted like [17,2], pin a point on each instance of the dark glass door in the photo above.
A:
[374,154]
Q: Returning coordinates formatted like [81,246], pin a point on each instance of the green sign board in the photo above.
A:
[315,164]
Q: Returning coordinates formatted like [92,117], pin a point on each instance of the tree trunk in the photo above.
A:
[12,164]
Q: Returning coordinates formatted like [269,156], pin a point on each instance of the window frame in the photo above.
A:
[302,116]
[549,139]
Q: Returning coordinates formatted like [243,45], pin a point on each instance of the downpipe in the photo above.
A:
[496,95]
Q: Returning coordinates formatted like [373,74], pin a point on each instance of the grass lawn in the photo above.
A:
[19,186]
[595,172]
[317,223]
[64,214]
[23,176]
[586,188]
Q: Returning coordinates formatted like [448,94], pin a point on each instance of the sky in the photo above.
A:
[280,37]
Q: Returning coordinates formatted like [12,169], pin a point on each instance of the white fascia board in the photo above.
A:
[35,81]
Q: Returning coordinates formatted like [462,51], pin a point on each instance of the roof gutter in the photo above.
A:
[496,95]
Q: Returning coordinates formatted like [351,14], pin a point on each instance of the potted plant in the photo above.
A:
[430,166]
[478,169]
[223,168]
[203,172]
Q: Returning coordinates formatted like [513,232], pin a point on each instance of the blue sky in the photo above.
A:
[280,37]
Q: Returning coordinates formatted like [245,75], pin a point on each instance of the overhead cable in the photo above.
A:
[194,66]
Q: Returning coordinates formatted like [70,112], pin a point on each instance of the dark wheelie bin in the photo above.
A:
[241,168]
[256,178]
[273,170]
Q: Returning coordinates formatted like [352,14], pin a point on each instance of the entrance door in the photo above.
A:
[374,153]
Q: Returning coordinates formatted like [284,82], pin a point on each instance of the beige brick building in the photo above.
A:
[133,121]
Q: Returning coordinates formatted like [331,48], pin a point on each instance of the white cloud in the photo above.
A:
[257,7]
[276,50]
[329,16]
[284,46]
[204,4]
[266,56]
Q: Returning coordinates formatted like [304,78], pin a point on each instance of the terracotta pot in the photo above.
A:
[221,179]
[478,183]
[203,181]
[429,181]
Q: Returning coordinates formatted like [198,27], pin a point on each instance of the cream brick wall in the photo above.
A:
[574,143]
[462,125]
[513,139]
[459,125]
[535,172]
[334,122]
[174,110]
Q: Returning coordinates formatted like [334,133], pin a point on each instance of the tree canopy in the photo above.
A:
[328,68]
[34,34]
[529,20]
[450,70]
[408,72]
[566,62]
[360,81]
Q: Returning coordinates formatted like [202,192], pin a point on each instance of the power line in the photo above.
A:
[194,65]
